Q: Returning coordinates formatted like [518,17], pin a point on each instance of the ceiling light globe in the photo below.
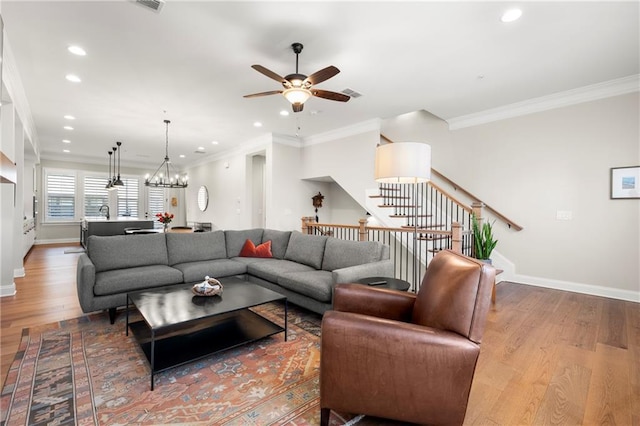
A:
[296,95]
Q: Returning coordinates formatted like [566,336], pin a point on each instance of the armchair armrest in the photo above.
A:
[376,302]
[380,268]
[85,281]
[392,369]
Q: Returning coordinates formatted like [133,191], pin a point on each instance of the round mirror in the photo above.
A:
[203,198]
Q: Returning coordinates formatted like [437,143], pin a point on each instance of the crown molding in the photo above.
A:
[287,140]
[343,132]
[620,86]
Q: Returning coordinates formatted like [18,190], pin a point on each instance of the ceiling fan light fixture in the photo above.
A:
[297,95]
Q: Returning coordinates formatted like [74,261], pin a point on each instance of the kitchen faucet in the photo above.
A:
[106,207]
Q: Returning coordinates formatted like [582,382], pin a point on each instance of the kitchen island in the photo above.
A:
[97,226]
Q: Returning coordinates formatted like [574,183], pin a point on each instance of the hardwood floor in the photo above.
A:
[548,356]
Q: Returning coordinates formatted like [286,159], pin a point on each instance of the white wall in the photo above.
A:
[530,167]
[288,196]
[347,160]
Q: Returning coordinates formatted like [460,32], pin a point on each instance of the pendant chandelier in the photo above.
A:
[113,181]
[109,184]
[117,182]
[165,176]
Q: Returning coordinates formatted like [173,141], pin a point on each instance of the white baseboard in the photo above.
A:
[59,241]
[594,290]
[8,290]
[509,274]
[19,273]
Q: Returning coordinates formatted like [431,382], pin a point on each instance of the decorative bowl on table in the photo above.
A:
[209,287]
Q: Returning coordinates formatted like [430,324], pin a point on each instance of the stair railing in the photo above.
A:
[475,200]
[399,241]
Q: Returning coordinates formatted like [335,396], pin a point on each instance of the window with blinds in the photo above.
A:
[155,203]
[61,196]
[128,198]
[95,195]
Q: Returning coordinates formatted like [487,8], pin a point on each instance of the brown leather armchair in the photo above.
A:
[403,356]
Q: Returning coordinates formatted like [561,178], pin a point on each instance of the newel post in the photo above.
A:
[362,230]
[456,237]
[476,208]
[305,225]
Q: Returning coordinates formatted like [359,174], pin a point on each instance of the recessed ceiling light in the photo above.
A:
[73,78]
[68,128]
[200,148]
[66,141]
[214,142]
[511,15]
[69,117]
[257,124]
[65,150]
[284,113]
[77,50]
[182,155]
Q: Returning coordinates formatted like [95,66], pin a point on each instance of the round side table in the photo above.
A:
[385,282]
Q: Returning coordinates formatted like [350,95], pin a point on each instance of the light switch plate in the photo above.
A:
[564,215]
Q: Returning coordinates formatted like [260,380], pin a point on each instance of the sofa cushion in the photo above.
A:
[306,249]
[261,250]
[131,279]
[127,251]
[272,269]
[342,254]
[236,239]
[195,246]
[279,241]
[315,284]
[218,268]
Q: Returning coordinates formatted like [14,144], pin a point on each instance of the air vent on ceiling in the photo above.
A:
[198,152]
[155,5]
[352,93]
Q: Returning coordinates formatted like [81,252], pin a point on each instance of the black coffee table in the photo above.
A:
[180,327]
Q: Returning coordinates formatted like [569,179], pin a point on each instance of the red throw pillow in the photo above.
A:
[250,250]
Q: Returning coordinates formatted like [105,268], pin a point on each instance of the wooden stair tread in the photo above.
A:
[402,216]
[392,197]
[425,228]
[395,205]
[433,238]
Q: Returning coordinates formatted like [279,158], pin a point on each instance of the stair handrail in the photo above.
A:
[510,223]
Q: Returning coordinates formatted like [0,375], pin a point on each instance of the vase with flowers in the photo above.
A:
[165,219]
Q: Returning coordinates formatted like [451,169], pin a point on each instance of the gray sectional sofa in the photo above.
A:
[305,268]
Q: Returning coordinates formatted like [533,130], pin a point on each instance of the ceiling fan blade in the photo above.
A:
[269,73]
[332,96]
[322,75]
[256,95]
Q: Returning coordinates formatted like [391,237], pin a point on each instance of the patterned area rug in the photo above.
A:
[87,372]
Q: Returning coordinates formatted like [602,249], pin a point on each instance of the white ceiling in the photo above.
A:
[193,60]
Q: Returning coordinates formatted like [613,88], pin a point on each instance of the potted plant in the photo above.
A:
[483,241]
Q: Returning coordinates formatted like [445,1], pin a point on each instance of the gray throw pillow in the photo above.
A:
[127,251]
[279,241]
[306,249]
[342,254]
[196,246]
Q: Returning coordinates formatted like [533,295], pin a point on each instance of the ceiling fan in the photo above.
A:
[298,87]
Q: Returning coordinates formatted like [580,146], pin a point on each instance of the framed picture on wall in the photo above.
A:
[625,182]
